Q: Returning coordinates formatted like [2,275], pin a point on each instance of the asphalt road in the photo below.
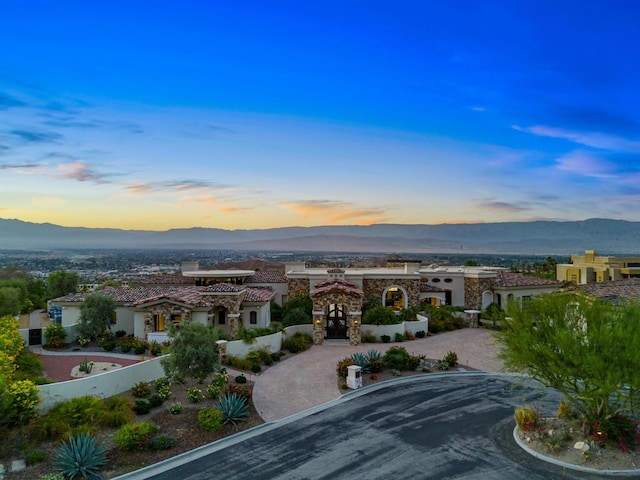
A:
[455,427]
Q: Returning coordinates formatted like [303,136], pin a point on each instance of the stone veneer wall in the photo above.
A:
[473,288]
[167,309]
[297,285]
[353,306]
[375,287]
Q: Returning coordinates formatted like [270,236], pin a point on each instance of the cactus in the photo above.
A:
[81,457]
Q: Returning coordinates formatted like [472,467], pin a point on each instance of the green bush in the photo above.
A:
[141,390]
[55,335]
[421,334]
[451,358]
[107,340]
[28,366]
[155,349]
[241,379]
[341,368]
[397,358]
[142,407]
[368,337]
[385,338]
[162,386]
[399,337]
[376,365]
[18,401]
[298,342]
[118,411]
[256,368]
[77,415]
[210,419]
[135,436]
[194,394]
[380,316]
[175,408]
[213,391]
[163,442]
[155,400]
[238,363]
[35,456]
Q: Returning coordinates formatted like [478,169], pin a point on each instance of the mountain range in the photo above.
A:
[538,237]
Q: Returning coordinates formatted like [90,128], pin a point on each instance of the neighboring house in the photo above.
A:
[594,268]
[146,312]
[621,290]
[510,286]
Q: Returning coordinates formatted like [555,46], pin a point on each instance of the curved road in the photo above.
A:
[455,426]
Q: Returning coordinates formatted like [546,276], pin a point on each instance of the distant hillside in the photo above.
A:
[543,237]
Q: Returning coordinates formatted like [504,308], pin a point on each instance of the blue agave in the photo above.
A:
[80,457]
[233,407]
[373,354]
[361,360]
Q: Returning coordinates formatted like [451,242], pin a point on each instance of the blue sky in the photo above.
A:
[158,115]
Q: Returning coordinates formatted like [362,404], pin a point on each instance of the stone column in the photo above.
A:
[355,335]
[318,328]
[222,350]
[233,323]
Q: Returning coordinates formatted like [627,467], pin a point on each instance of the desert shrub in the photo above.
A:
[141,390]
[155,400]
[71,417]
[421,334]
[385,338]
[126,343]
[413,362]
[256,368]
[276,356]
[213,391]
[107,340]
[341,368]
[163,442]
[451,358]
[526,418]
[368,337]
[175,408]
[376,365]
[55,335]
[194,394]
[28,366]
[142,407]
[298,342]
[409,335]
[135,436]
[241,379]
[210,419]
[140,346]
[399,337]
[18,401]
[396,358]
[118,411]
[220,379]
[239,390]
[239,363]
[162,386]
[35,456]
[155,349]
[120,333]
[564,410]
[380,316]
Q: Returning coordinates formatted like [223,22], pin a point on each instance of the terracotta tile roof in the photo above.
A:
[510,279]
[336,285]
[628,288]
[163,279]
[267,276]
[189,295]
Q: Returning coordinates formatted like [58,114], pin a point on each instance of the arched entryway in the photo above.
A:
[336,321]
[395,298]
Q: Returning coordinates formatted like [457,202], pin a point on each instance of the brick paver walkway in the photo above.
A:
[309,379]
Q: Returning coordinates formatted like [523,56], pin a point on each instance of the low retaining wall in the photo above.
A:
[239,348]
[306,328]
[391,330]
[102,385]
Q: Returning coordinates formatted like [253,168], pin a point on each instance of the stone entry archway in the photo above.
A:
[336,321]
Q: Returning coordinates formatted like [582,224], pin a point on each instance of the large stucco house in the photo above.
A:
[595,268]
[230,299]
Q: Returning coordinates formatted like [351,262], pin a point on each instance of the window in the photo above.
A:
[222,318]
[176,319]
[448,280]
[114,318]
[435,280]
[253,318]
[448,297]
[158,322]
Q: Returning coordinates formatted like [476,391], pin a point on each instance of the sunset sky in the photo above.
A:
[167,114]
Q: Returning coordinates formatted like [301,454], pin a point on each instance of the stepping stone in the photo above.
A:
[17,465]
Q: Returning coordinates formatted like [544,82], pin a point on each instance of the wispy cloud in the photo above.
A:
[503,207]
[175,185]
[21,167]
[597,140]
[35,136]
[586,164]
[332,211]
[80,171]
[9,101]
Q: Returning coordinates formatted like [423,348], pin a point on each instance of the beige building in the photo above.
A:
[594,268]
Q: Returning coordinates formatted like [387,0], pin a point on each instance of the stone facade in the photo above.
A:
[473,288]
[352,303]
[297,286]
[375,287]
[166,309]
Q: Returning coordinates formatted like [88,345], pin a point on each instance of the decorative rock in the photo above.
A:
[17,465]
[584,446]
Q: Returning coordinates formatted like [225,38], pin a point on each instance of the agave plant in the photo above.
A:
[81,457]
[233,407]
[373,354]
[361,360]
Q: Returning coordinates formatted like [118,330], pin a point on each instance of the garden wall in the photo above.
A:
[102,385]
[306,328]
[239,348]
[70,329]
[391,330]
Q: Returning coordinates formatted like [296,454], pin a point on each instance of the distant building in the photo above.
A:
[594,268]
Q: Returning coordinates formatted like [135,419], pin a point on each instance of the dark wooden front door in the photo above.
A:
[336,321]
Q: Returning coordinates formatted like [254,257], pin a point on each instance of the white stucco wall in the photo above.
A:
[306,328]
[70,315]
[240,349]
[124,320]
[391,330]
[102,385]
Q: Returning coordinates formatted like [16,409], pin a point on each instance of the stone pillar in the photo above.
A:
[318,328]
[222,350]
[233,323]
[355,334]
